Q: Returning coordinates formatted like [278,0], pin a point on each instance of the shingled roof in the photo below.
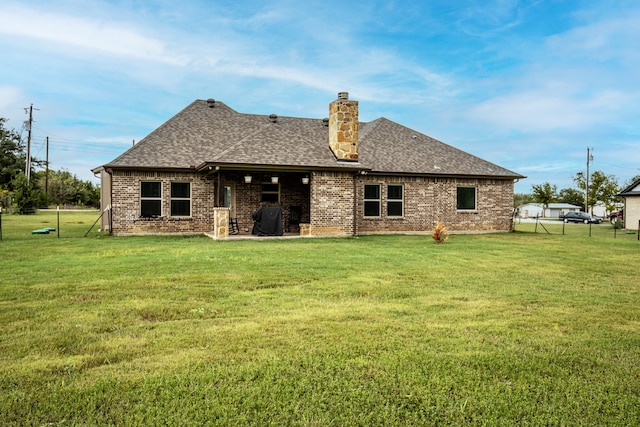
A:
[631,190]
[208,132]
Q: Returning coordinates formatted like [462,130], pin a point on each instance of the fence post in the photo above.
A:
[0,223]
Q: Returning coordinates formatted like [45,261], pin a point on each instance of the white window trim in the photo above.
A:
[378,200]
[475,198]
[150,198]
[401,201]
[171,199]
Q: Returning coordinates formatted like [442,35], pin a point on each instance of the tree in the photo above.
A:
[545,194]
[520,199]
[602,188]
[12,156]
[28,196]
[67,189]
[631,181]
[89,194]
[62,188]
[571,196]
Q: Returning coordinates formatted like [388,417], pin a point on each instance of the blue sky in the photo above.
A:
[528,85]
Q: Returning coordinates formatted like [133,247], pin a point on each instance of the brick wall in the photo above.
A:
[429,200]
[331,204]
[327,203]
[126,204]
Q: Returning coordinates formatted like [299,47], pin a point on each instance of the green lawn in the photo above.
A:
[496,329]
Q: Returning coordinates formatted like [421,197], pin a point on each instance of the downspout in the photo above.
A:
[355,205]
[624,215]
[110,218]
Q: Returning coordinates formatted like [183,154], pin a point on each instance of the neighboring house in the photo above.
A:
[339,176]
[553,210]
[599,209]
[631,196]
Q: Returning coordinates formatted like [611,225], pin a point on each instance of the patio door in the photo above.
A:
[230,198]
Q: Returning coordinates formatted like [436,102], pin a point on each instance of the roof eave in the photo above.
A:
[449,175]
[147,168]
[210,166]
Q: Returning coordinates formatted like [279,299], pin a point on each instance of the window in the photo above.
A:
[466,198]
[270,192]
[180,199]
[150,199]
[372,200]
[395,200]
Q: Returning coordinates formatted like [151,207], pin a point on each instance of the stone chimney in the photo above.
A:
[343,128]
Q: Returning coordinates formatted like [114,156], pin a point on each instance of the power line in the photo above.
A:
[84,147]
[120,146]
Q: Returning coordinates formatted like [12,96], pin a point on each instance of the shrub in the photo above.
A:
[617,223]
[440,233]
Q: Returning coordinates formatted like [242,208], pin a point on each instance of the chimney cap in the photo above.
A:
[211,102]
[343,95]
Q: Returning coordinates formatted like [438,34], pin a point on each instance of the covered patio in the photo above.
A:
[249,194]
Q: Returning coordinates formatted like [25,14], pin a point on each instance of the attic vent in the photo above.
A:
[325,121]
[211,102]
[273,118]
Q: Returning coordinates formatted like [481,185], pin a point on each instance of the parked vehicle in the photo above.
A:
[615,216]
[583,217]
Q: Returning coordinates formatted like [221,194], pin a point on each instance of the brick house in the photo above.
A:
[329,177]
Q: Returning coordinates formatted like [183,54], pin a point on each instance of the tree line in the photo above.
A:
[603,189]
[57,187]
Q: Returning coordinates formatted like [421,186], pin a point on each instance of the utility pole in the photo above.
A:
[46,174]
[29,124]
[589,160]
[27,169]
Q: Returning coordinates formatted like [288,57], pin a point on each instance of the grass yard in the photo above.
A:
[496,329]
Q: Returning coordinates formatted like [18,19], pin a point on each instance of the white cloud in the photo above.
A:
[484,18]
[605,38]
[122,68]
[548,109]
[88,34]
[230,51]
[9,97]
[12,107]
[578,80]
